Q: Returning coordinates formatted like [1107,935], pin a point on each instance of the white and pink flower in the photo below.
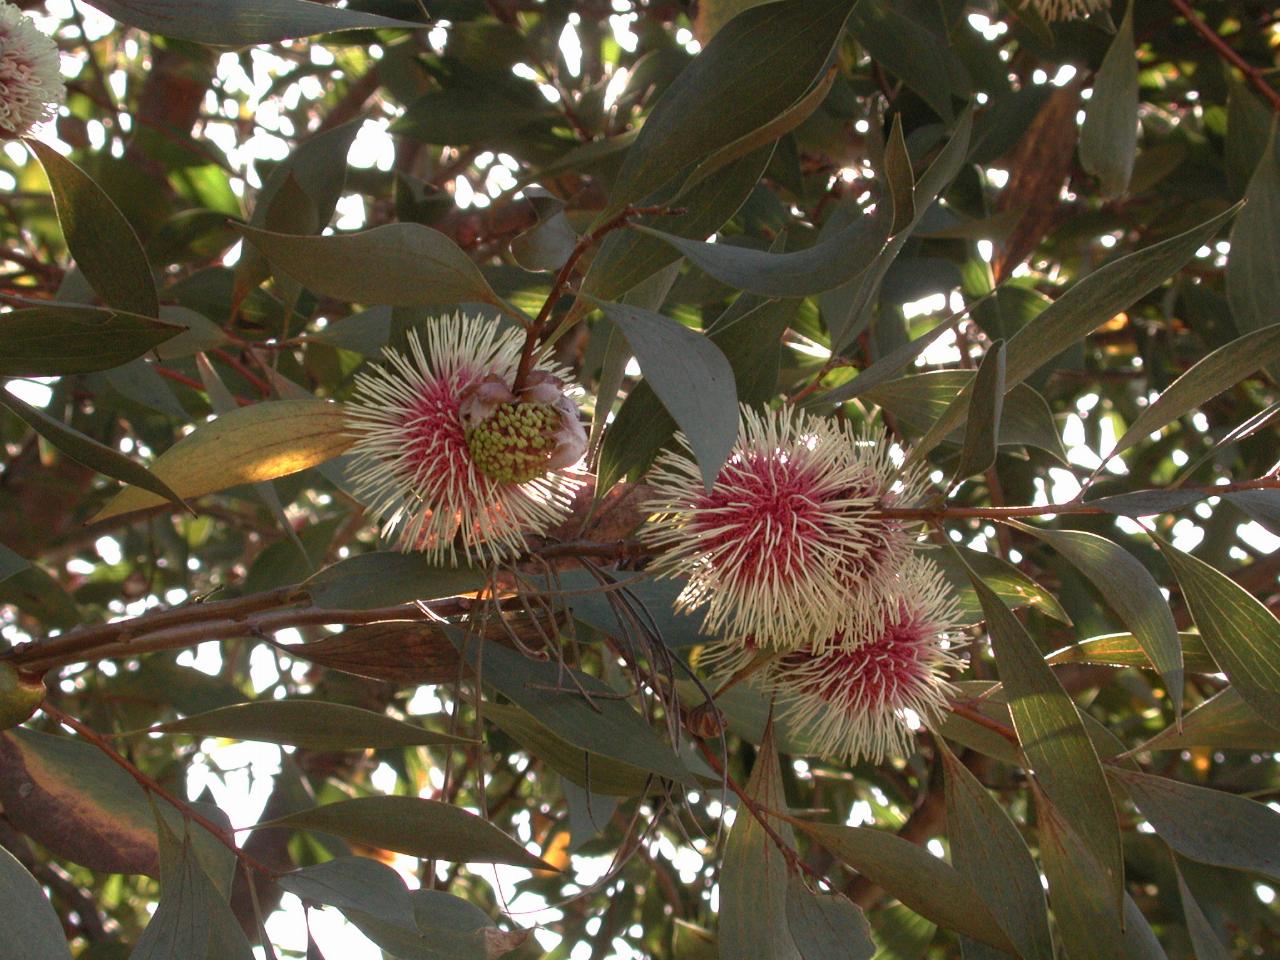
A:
[449,457]
[856,696]
[31,86]
[788,544]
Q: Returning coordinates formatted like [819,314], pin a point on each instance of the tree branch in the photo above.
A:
[1253,74]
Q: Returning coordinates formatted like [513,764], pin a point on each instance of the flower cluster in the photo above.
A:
[796,567]
[31,86]
[449,456]
[1053,10]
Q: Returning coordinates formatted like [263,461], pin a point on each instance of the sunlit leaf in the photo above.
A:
[254,443]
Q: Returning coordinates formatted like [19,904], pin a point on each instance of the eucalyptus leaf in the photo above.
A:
[1239,631]
[311,724]
[412,825]
[237,23]
[99,237]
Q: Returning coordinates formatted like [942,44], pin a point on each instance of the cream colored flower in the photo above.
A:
[1067,9]
[788,544]
[449,457]
[855,697]
[31,86]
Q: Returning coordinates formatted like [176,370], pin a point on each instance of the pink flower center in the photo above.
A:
[436,444]
[762,510]
[870,676]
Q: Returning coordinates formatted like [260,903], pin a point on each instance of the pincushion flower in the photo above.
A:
[788,543]
[31,86]
[852,697]
[449,457]
[1067,9]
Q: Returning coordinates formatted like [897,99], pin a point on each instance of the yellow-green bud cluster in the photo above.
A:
[514,444]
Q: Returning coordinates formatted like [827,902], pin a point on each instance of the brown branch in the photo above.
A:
[982,720]
[1254,75]
[151,786]
[1049,509]
[535,331]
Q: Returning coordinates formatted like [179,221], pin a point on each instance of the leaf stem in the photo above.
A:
[535,331]
[150,785]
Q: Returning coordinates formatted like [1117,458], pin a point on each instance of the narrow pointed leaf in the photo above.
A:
[56,340]
[418,827]
[901,178]
[982,425]
[989,852]
[355,883]
[87,451]
[99,237]
[1131,592]
[397,265]
[311,724]
[385,578]
[260,442]
[1109,136]
[692,378]
[1239,631]
[1088,303]
[1125,650]
[575,706]
[193,919]
[1253,283]
[1213,375]
[826,926]
[24,907]
[753,874]
[1207,825]
[1080,892]
[1054,740]
[1204,939]
[779,51]
[929,886]
[596,772]
[1224,721]
[239,23]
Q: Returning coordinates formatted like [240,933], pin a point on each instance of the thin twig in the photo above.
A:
[536,330]
[761,815]
[1228,53]
[150,785]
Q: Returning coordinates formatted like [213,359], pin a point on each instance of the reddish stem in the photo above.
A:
[150,785]
[535,331]
[1228,53]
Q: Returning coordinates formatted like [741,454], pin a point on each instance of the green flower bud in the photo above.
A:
[514,443]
